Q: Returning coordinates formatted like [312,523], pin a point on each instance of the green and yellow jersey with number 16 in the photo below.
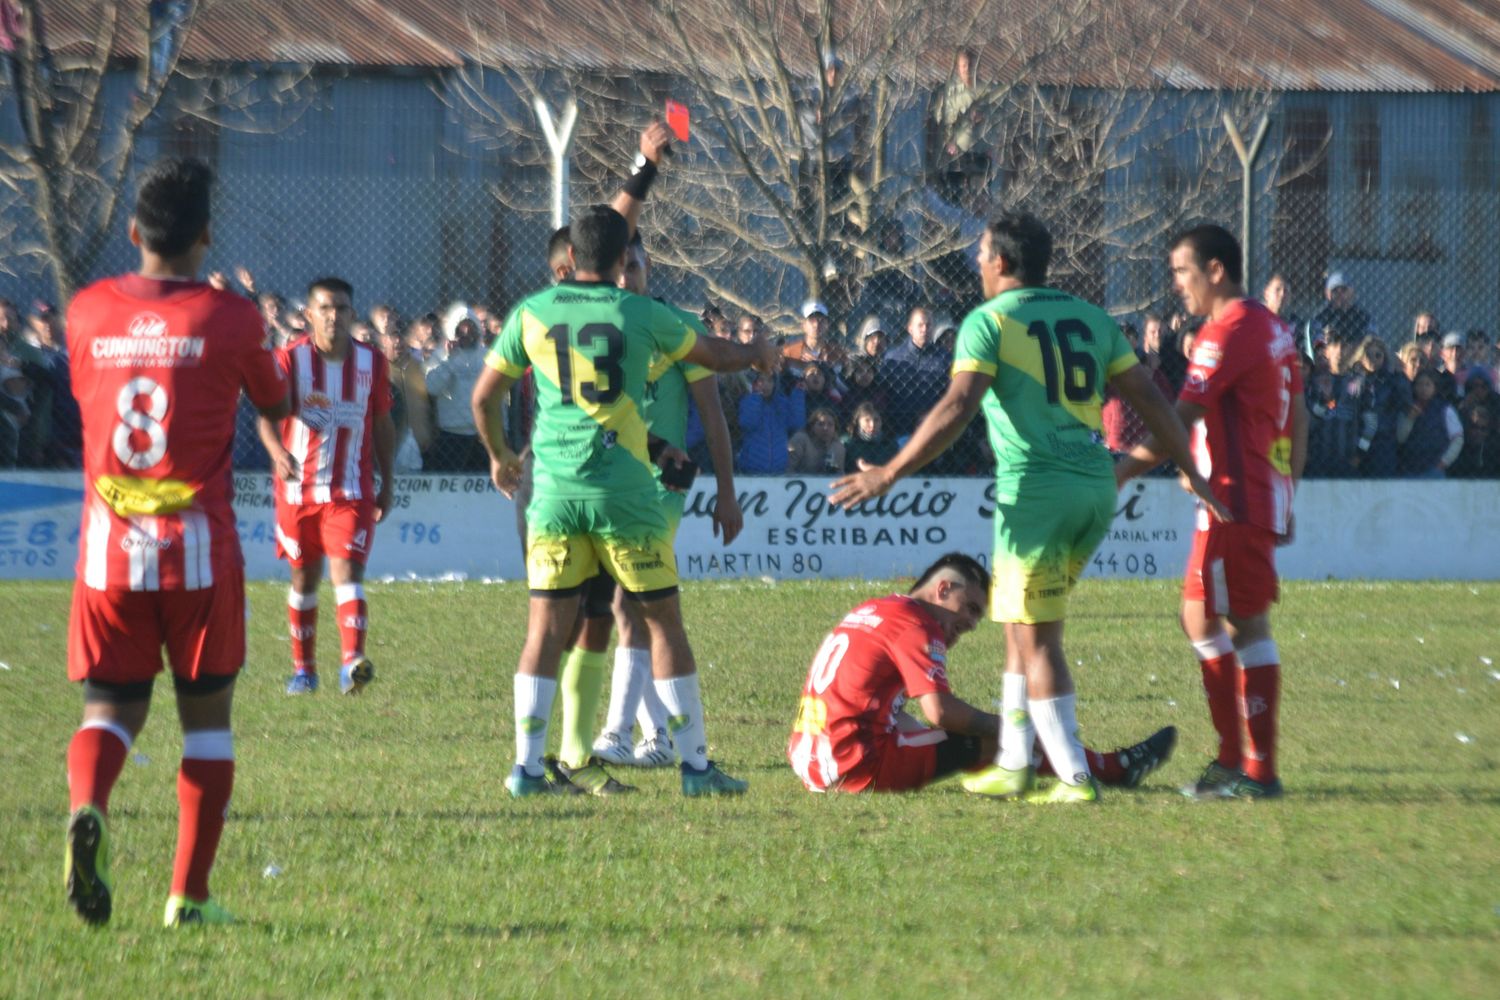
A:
[591,346]
[1050,355]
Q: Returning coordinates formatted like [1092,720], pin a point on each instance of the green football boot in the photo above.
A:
[86,865]
[710,781]
[184,912]
[998,783]
[1063,793]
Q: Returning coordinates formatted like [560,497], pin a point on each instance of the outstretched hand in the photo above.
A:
[1194,483]
[869,482]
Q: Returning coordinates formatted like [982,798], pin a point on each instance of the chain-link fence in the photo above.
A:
[868,315]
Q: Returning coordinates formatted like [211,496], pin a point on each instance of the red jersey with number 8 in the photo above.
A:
[1244,371]
[157,368]
[883,652]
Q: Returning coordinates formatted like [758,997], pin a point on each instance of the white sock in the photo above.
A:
[533,707]
[1017,734]
[629,680]
[1057,725]
[685,718]
[652,715]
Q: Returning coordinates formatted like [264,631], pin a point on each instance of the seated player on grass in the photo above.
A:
[852,733]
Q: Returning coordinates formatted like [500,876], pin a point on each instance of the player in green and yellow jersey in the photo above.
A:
[1037,361]
[596,501]
[671,386]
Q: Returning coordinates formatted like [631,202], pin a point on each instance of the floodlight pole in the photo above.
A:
[559,139]
[1247,156]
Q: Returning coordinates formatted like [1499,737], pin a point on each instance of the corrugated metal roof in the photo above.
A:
[1410,46]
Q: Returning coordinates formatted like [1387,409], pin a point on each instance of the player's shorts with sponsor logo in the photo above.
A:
[895,762]
[1043,541]
[116,636]
[568,539]
[343,529]
[1232,569]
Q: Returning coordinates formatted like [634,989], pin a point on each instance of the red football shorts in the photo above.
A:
[902,762]
[116,636]
[342,529]
[1232,570]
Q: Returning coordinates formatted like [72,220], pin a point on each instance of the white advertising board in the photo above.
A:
[459,527]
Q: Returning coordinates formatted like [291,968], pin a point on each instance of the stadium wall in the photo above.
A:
[458,527]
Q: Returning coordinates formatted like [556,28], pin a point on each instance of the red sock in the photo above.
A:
[1221,685]
[1260,693]
[302,612]
[203,788]
[95,759]
[1105,766]
[352,619]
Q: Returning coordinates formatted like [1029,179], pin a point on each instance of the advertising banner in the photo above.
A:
[459,527]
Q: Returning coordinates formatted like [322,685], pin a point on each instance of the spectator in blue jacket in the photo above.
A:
[774,407]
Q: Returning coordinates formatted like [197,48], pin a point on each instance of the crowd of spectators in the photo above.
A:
[851,393]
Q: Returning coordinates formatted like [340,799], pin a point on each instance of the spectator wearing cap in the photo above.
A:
[456,446]
[916,372]
[1340,319]
[815,343]
[1454,371]
[54,435]
[872,340]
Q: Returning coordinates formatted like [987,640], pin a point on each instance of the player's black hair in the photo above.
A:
[557,246]
[1024,241]
[1212,242]
[331,285]
[171,205]
[599,238]
[965,565]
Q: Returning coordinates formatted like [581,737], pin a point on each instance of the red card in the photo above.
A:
[677,119]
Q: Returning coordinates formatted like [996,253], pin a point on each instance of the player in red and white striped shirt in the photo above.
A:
[324,456]
[1243,398]
[158,360]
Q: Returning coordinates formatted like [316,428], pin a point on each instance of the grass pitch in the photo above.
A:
[372,849]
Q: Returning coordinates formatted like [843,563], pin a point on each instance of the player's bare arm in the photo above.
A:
[728,519]
[1168,434]
[282,462]
[732,356]
[655,139]
[939,429]
[385,463]
[949,712]
[488,403]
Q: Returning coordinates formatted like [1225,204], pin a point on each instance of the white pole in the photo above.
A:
[559,139]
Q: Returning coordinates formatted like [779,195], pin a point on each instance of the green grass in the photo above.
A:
[406,870]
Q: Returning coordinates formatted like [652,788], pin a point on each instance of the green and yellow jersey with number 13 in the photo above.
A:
[591,347]
[1050,355]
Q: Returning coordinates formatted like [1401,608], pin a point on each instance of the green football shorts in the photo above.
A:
[1042,543]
